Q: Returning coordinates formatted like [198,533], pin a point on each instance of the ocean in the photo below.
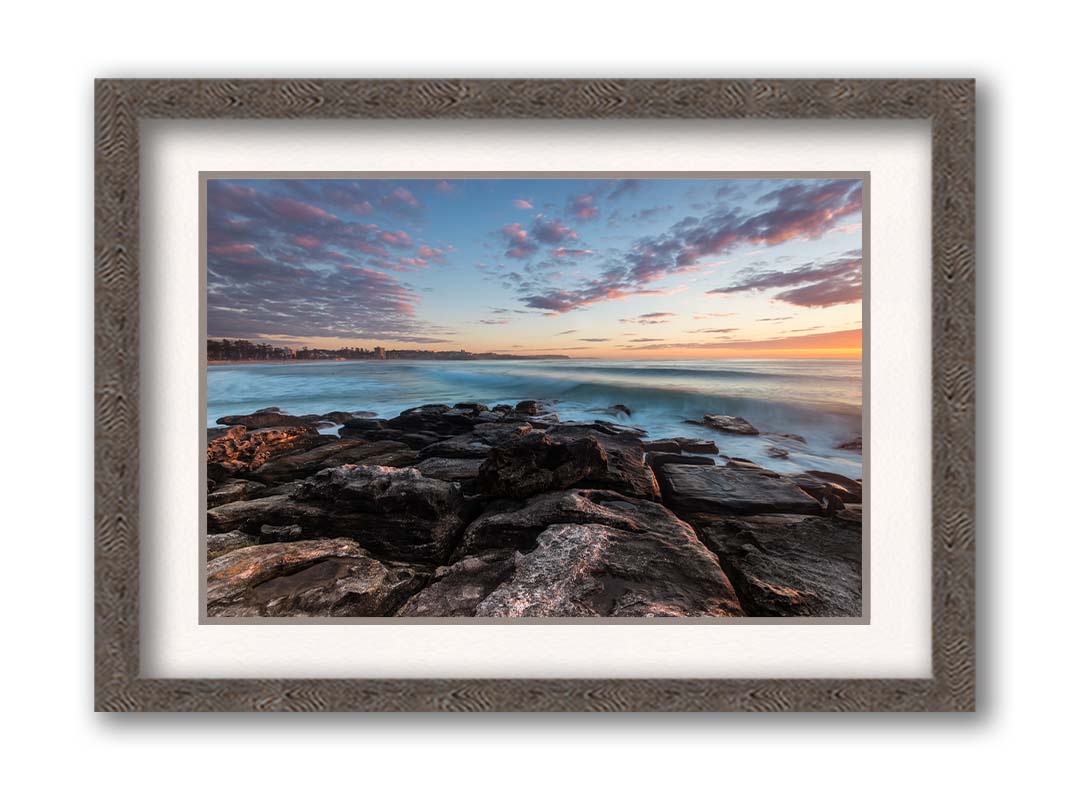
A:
[820,400]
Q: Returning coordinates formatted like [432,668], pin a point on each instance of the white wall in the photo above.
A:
[57,744]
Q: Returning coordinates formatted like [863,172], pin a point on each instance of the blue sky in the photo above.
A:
[630,268]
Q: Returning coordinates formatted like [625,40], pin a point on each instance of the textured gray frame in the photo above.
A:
[121,104]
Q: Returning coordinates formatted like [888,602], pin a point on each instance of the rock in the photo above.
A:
[724,422]
[281,533]
[450,469]
[265,418]
[308,462]
[847,489]
[456,590]
[538,463]
[744,463]
[234,490]
[696,445]
[250,515]
[617,410]
[215,433]
[434,418]
[477,443]
[789,565]
[662,446]
[516,525]
[418,440]
[503,408]
[595,570]
[529,407]
[657,460]
[475,407]
[384,453]
[789,437]
[613,427]
[777,452]
[219,544]
[689,488]
[626,471]
[357,426]
[241,450]
[324,577]
[855,444]
[397,512]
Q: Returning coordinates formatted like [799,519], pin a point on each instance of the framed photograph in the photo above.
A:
[535,395]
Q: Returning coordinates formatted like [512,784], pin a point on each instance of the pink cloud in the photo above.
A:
[299,211]
[523,204]
[395,238]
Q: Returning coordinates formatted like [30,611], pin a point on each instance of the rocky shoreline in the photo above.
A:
[467,511]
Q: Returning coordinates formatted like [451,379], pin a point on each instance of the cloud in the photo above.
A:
[444,187]
[815,285]
[523,204]
[518,241]
[401,201]
[646,340]
[563,252]
[712,316]
[794,210]
[583,207]
[395,238]
[551,231]
[594,340]
[655,318]
[493,321]
[772,319]
[622,187]
[564,333]
[713,330]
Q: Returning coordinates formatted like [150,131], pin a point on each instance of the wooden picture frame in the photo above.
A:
[122,104]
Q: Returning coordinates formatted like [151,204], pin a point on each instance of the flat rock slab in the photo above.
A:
[323,577]
[789,565]
[692,488]
[599,571]
[450,469]
[724,422]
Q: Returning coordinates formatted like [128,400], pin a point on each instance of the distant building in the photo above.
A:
[379,353]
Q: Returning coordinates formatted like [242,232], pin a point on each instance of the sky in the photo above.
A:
[601,268]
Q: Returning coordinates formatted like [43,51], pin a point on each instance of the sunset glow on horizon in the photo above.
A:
[676,268]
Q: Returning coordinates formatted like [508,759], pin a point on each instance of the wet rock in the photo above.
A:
[538,463]
[241,450]
[456,590]
[847,489]
[233,490]
[397,512]
[777,452]
[617,410]
[219,544]
[475,407]
[516,525]
[215,433]
[657,460]
[265,418]
[614,427]
[503,408]
[357,426]
[434,418]
[789,565]
[744,463]
[477,443]
[324,577]
[689,488]
[724,422]
[855,445]
[788,437]
[595,570]
[662,446]
[529,407]
[696,445]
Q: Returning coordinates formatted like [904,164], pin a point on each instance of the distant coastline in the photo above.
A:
[442,357]
[242,351]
